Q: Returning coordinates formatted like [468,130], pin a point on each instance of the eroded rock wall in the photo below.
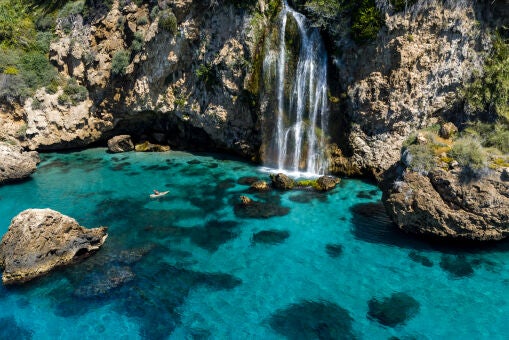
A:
[407,79]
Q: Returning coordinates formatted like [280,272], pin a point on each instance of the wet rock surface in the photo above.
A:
[122,143]
[39,240]
[15,164]
[326,183]
[282,182]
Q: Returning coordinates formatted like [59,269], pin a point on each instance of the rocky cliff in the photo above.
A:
[176,72]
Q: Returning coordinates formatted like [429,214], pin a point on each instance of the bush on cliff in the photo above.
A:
[469,152]
[119,62]
[168,21]
[361,18]
[489,93]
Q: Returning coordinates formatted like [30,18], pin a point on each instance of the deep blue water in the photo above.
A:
[193,266]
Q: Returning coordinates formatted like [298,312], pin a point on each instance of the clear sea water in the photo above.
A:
[192,266]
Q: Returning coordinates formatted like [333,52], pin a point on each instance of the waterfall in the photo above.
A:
[297,140]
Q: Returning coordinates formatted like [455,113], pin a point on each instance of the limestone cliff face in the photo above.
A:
[408,78]
[184,85]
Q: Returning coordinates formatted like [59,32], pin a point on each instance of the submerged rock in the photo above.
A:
[97,284]
[149,147]
[282,181]
[121,143]
[247,180]
[249,208]
[446,204]
[39,240]
[394,310]
[313,320]
[334,250]
[15,164]
[271,236]
[326,183]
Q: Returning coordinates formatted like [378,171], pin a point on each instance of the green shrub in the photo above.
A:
[168,21]
[71,8]
[143,20]
[490,92]
[366,22]
[492,135]
[138,42]
[36,70]
[469,152]
[74,92]
[119,62]
[420,157]
[400,5]
[207,74]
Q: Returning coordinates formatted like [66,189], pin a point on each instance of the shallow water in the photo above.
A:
[187,266]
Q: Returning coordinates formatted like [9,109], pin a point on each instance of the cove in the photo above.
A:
[186,266]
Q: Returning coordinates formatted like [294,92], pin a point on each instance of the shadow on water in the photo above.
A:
[313,320]
[370,223]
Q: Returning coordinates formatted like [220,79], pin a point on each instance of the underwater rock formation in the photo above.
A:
[39,240]
[16,164]
[393,310]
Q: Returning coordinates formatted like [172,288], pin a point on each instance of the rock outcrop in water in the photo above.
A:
[15,164]
[122,143]
[445,204]
[39,240]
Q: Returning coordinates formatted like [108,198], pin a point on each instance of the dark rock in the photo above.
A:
[416,257]
[282,181]
[193,162]
[313,320]
[247,180]
[458,266]
[15,164]
[10,329]
[101,283]
[271,236]
[334,250]
[394,310]
[326,183]
[260,186]
[39,240]
[121,143]
[249,208]
[505,175]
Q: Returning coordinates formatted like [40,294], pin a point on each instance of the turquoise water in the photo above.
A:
[192,266]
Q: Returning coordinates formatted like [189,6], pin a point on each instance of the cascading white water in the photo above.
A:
[299,137]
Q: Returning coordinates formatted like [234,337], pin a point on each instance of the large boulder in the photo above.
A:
[121,143]
[39,240]
[282,181]
[449,204]
[326,183]
[16,164]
